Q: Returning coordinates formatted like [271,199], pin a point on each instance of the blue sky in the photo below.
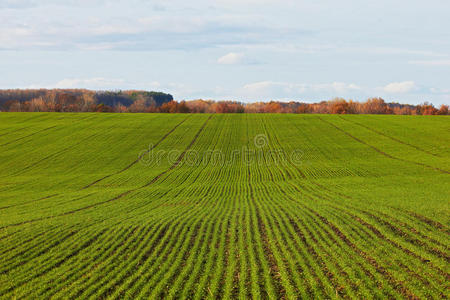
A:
[244,50]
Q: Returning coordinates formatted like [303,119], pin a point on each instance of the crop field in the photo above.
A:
[224,206]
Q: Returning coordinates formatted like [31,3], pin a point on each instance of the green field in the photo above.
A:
[226,205]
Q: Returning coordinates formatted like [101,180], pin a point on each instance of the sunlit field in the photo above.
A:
[224,206]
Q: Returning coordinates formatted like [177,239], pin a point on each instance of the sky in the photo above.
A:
[244,50]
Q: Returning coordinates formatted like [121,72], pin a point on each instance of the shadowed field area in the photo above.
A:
[224,205]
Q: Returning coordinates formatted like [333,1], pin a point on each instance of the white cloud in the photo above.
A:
[430,62]
[400,87]
[338,87]
[231,59]
[440,90]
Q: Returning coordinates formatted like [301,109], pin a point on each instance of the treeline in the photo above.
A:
[77,100]
[335,106]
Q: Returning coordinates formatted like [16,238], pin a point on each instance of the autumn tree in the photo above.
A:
[340,106]
[87,100]
[169,107]
[374,106]
[403,110]
[304,109]
[38,104]
[426,108]
[137,106]
[443,110]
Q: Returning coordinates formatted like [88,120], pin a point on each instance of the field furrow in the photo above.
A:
[261,206]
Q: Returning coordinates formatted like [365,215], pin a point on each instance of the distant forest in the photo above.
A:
[135,101]
[79,100]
